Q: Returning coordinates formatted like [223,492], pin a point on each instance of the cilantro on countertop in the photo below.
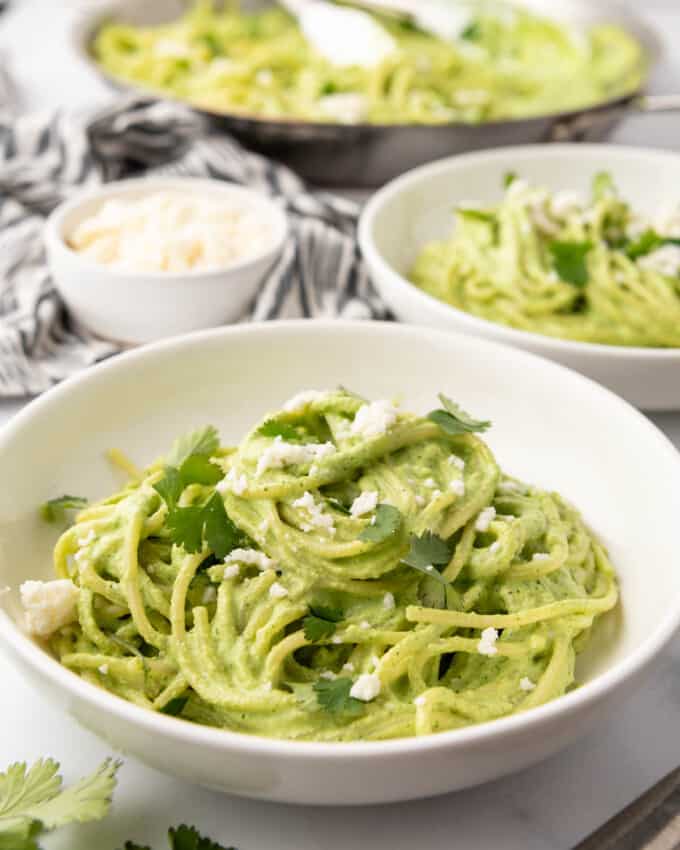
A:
[333,696]
[33,801]
[387,522]
[570,260]
[55,509]
[454,420]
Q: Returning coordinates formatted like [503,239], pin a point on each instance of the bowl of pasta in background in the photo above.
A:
[419,207]
[550,427]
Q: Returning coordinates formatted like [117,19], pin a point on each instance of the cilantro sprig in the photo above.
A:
[454,420]
[276,428]
[647,242]
[387,522]
[33,801]
[333,696]
[55,510]
[570,261]
[321,622]
[427,552]
[184,838]
[203,441]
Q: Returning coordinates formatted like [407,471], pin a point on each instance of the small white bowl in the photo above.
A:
[418,207]
[138,307]
[550,426]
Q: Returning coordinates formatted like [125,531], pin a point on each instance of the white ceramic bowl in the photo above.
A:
[551,426]
[418,207]
[137,307]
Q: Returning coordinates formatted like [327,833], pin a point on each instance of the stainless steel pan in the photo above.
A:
[367,155]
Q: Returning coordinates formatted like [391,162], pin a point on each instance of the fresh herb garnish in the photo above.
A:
[275,428]
[55,510]
[203,441]
[321,622]
[428,552]
[387,522]
[472,32]
[333,696]
[647,242]
[603,185]
[454,420]
[33,802]
[199,469]
[570,261]
[190,525]
[509,178]
[183,838]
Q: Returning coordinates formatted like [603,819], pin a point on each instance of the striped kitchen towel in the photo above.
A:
[45,158]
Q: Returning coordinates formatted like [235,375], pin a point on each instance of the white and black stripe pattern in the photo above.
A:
[44,158]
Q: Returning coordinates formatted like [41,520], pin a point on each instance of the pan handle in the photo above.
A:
[578,127]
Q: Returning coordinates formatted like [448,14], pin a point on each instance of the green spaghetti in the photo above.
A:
[506,63]
[350,572]
[590,270]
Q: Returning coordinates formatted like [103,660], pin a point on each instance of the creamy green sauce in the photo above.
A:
[583,268]
[377,577]
[506,63]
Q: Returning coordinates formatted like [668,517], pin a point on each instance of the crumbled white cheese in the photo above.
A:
[541,556]
[232,571]
[250,556]
[374,419]
[367,687]
[458,487]
[303,399]
[235,482]
[277,591]
[364,503]
[431,483]
[210,593]
[48,605]
[103,669]
[171,231]
[388,602]
[419,500]
[485,518]
[280,454]
[336,639]
[665,261]
[315,511]
[348,667]
[364,624]
[429,568]
[526,684]
[267,686]
[264,525]
[419,700]
[487,642]
[458,462]
[495,546]
[328,674]
[344,107]
[436,494]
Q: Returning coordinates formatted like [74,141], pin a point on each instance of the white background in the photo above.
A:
[549,807]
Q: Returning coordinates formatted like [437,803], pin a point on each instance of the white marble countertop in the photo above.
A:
[548,807]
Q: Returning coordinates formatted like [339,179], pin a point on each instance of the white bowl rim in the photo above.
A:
[224,739]
[155,183]
[475,324]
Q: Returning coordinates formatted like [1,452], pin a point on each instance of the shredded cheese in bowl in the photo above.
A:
[171,231]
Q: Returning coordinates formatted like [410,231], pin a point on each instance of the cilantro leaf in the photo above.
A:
[170,486]
[454,420]
[333,696]
[428,552]
[221,534]
[316,628]
[569,259]
[326,612]
[189,838]
[387,522]
[275,428]
[603,185]
[186,527]
[55,509]
[33,801]
[197,469]
[509,178]
[647,242]
[203,441]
